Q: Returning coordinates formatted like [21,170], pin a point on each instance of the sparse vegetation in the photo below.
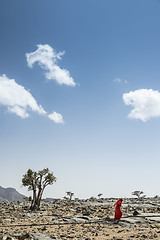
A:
[138,194]
[99,195]
[37,182]
[70,194]
[156,196]
[92,199]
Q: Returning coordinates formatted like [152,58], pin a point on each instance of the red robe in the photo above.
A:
[118,213]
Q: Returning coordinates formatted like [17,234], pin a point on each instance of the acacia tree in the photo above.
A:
[138,194]
[99,195]
[37,182]
[70,194]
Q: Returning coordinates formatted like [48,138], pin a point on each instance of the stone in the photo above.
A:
[38,236]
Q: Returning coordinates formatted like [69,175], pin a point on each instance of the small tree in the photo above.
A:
[70,194]
[138,194]
[99,195]
[37,182]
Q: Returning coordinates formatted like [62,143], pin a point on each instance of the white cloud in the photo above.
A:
[146,103]
[117,80]
[20,101]
[56,117]
[20,111]
[47,58]
[17,98]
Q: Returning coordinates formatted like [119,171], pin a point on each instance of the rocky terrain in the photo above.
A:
[81,219]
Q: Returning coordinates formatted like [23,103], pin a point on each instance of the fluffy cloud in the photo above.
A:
[145,103]
[119,80]
[47,58]
[56,117]
[19,101]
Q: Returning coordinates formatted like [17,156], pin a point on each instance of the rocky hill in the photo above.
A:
[10,194]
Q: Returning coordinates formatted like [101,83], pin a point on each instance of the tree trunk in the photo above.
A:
[39,198]
[33,204]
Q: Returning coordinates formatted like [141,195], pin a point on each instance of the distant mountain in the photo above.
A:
[10,194]
[48,199]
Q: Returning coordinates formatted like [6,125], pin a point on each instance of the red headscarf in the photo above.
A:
[119,202]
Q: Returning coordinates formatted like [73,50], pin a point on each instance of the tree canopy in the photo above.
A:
[37,182]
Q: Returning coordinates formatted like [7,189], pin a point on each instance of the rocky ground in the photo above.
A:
[81,219]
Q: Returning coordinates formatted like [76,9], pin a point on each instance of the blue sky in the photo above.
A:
[80,94]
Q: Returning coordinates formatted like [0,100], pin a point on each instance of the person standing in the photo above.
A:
[118,213]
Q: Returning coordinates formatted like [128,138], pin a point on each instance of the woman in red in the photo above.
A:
[118,213]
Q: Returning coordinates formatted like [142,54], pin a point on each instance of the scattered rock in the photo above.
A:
[72,220]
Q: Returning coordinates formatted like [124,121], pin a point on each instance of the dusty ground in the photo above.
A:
[82,220]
